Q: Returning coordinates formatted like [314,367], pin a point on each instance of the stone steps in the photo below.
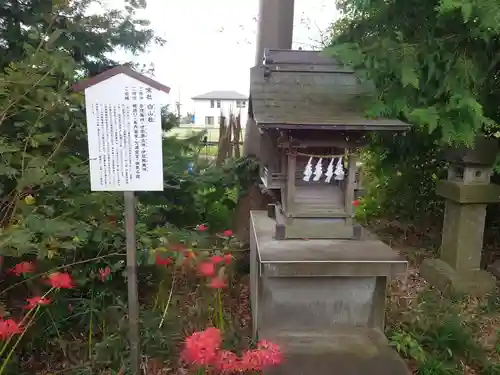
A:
[346,351]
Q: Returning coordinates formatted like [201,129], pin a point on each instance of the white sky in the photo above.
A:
[211,43]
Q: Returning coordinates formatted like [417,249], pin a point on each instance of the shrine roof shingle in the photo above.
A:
[303,89]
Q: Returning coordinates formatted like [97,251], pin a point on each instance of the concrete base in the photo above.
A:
[323,301]
[355,351]
[448,280]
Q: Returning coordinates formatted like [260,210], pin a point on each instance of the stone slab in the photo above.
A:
[366,257]
[445,278]
[316,304]
[468,194]
[346,351]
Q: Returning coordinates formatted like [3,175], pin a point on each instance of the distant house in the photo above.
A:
[208,107]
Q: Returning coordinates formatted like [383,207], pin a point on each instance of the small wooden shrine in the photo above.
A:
[308,108]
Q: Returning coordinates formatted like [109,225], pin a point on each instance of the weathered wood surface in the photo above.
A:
[312,99]
[312,58]
[318,197]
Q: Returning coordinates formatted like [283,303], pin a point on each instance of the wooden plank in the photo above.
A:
[322,214]
[280,56]
[314,228]
[290,183]
[351,182]
[283,167]
[331,141]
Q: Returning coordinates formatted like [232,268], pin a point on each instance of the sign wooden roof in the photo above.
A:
[121,69]
[306,90]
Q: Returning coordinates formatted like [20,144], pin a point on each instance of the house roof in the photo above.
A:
[221,95]
[305,90]
[121,69]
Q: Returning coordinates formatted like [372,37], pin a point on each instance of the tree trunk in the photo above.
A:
[237,137]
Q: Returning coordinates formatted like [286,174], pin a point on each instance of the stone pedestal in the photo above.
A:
[458,269]
[350,351]
[323,301]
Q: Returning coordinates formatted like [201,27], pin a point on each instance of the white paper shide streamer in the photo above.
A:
[318,171]
[335,169]
[308,171]
[339,170]
[329,172]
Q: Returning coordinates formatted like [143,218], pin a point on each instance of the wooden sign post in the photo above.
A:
[125,154]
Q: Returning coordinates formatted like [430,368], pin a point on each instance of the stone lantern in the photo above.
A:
[318,281]
[467,192]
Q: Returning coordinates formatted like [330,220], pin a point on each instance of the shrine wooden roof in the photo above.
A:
[303,89]
[120,69]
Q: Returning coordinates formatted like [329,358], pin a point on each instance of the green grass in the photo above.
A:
[438,334]
[185,132]
[212,136]
[212,150]
[208,150]
[443,335]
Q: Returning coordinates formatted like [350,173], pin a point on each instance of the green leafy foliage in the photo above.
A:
[435,64]
[437,334]
[49,215]
[401,172]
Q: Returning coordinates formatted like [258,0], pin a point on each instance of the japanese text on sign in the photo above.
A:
[125,140]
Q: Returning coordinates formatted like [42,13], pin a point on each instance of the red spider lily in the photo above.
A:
[201,348]
[228,258]
[104,273]
[260,358]
[21,268]
[201,228]
[355,203]
[227,233]
[206,269]
[216,259]
[61,280]
[217,283]
[34,301]
[163,261]
[9,327]
[227,362]
[272,352]
[250,361]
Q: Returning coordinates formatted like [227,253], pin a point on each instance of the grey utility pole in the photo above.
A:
[275,30]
